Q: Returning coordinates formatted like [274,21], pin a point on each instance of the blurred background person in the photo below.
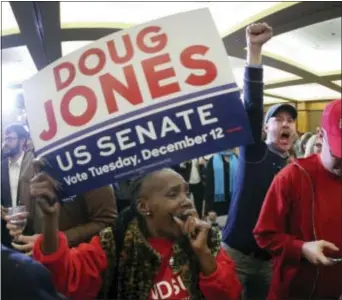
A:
[220,173]
[16,173]
[122,194]
[192,171]
[301,143]
[313,145]
[80,218]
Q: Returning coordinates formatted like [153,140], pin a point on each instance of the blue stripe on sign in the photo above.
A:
[133,113]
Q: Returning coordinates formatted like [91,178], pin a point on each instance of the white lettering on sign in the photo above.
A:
[140,134]
[165,289]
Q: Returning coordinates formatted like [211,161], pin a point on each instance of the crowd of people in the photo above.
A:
[263,221]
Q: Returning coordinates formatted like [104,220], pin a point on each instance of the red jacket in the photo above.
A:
[302,204]
[77,272]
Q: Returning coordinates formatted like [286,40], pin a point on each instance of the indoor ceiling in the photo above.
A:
[301,63]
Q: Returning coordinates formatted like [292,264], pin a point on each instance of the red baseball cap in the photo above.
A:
[332,124]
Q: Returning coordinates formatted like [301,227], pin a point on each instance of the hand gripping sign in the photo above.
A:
[138,100]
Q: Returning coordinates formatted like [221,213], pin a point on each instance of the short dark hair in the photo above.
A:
[20,130]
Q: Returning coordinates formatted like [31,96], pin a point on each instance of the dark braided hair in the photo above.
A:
[122,222]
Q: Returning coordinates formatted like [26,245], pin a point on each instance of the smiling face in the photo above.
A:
[281,131]
[164,194]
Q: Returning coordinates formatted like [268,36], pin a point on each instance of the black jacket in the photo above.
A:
[23,278]
[186,171]
[221,208]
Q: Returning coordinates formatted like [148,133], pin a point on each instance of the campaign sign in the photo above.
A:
[135,101]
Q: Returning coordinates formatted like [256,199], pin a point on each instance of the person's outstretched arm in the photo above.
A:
[76,272]
[253,89]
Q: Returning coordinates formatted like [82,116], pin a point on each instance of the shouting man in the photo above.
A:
[258,163]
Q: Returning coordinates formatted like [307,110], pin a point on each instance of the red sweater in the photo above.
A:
[302,204]
[77,272]
[166,283]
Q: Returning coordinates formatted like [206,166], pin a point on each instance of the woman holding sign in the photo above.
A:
[159,248]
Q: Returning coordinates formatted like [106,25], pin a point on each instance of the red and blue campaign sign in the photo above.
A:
[135,101]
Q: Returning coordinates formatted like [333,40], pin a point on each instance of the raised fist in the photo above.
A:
[43,188]
[258,34]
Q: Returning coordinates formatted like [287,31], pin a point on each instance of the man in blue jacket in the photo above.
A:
[258,164]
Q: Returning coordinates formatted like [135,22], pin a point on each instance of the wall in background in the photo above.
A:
[314,118]
[12,104]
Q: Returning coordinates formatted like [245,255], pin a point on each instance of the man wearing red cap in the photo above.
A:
[300,223]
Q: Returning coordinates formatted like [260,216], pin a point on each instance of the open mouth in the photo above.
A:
[183,216]
[285,135]
[285,138]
